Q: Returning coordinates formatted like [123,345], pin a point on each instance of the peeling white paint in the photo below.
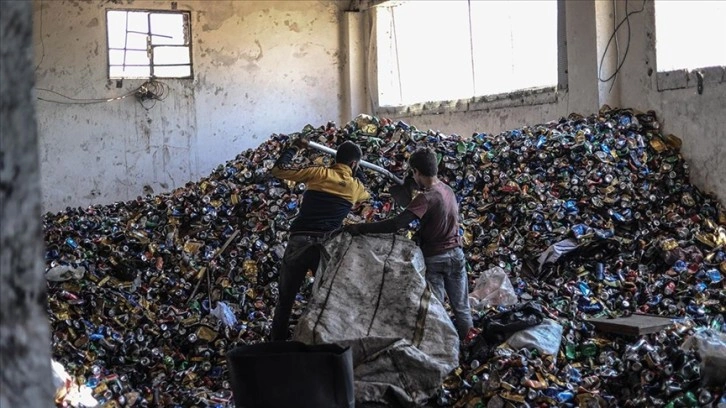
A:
[247,83]
[264,67]
[699,120]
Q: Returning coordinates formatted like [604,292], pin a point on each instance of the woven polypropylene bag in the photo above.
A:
[370,294]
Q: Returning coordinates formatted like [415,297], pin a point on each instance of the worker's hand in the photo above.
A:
[360,175]
[410,183]
[352,229]
[301,142]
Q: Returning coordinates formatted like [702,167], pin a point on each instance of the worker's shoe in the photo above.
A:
[470,336]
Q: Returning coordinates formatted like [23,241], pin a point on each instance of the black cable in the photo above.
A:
[627,46]
[150,90]
[141,102]
[78,103]
[617,46]
[81,100]
[160,89]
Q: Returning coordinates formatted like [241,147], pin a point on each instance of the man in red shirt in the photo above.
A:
[438,212]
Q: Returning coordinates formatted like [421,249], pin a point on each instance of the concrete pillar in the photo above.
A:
[608,49]
[356,99]
[582,82]
[25,372]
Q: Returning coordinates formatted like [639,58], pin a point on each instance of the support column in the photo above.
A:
[582,57]
[25,371]
[355,92]
[608,16]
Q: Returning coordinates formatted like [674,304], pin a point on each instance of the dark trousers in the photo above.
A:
[302,253]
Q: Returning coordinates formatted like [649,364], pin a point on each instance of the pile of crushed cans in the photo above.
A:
[145,297]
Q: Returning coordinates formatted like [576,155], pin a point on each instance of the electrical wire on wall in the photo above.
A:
[619,62]
[617,46]
[150,90]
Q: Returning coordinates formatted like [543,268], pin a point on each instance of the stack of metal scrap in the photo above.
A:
[145,297]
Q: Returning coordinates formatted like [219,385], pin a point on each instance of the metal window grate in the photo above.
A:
[149,44]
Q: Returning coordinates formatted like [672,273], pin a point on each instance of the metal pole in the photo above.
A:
[363,163]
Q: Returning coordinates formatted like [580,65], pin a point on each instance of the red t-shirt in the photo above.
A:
[439,214]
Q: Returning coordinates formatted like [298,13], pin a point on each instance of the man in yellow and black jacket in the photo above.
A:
[331,193]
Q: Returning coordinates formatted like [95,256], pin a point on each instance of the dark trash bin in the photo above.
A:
[285,374]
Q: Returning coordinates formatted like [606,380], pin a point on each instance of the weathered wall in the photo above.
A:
[698,119]
[260,67]
[264,67]
[25,373]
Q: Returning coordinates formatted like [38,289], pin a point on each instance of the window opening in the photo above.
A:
[690,34]
[149,44]
[444,50]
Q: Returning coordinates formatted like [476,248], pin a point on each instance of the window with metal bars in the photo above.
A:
[149,44]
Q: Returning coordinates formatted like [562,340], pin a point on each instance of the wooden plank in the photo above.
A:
[634,325]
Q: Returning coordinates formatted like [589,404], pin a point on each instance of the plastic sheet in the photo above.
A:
[492,288]
[545,338]
[711,348]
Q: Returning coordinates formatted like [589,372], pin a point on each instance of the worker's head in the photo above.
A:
[423,163]
[350,154]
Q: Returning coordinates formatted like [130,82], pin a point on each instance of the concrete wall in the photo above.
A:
[264,67]
[261,67]
[698,119]
[25,376]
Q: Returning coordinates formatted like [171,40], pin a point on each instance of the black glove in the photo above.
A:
[301,142]
[360,175]
[410,184]
[352,229]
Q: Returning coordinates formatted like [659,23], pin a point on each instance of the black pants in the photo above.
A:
[302,253]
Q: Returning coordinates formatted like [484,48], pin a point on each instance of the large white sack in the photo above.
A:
[370,294]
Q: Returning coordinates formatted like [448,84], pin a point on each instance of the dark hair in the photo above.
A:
[348,152]
[424,160]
